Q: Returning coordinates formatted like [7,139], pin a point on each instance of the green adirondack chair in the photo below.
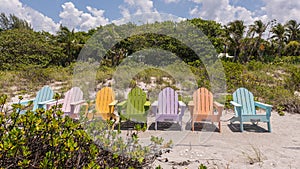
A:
[136,106]
[244,107]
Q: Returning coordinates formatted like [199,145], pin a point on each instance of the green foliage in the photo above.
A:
[12,22]
[280,110]
[45,139]
[202,167]
[22,47]
[293,81]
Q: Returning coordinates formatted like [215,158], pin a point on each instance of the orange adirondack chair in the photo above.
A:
[202,108]
[105,104]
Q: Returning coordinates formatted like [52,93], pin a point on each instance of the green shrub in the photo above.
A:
[45,139]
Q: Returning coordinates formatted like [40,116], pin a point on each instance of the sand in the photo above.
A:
[254,148]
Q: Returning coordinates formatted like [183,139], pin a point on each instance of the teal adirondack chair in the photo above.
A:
[244,107]
[136,106]
[43,96]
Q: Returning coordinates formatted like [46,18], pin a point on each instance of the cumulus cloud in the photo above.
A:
[143,11]
[171,1]
[196,1]
[136,7]
[73,18]
[37,20]
[282,10]
[221,11]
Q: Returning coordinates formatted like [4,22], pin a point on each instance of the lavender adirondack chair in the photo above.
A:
[71,103]
[168,108]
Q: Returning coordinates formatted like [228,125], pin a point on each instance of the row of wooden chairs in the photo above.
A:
[166,108]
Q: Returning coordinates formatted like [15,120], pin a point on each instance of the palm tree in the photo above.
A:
[257,28]
[68,41]
[293,30]
[236,31]
[279,36]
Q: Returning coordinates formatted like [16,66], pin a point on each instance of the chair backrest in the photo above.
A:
[135,102]
[203,101]
[46,93]
[73,95]
[246,99]
[168,101]
[104,97]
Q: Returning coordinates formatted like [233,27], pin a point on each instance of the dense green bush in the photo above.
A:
[45,139]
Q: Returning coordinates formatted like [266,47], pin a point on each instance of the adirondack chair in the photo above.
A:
[136,106]
[168,108]
[105,104]
[244,107]
[71,103]
[43,96]
[202,108]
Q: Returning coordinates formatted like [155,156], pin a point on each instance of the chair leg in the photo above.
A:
[219,126]
[155,125]
[269,126]
[241,126]
[192,125]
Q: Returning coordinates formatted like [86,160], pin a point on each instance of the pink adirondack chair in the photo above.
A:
[71,103]
[168,108]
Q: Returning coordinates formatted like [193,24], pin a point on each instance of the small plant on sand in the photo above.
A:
[257,157]
[201,166]
[280,110]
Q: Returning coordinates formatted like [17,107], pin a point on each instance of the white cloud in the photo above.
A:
[136,7]
[221,11]
[73,18]
[196,1]
[282,10]
[138,11]
[37,20]
[171,1]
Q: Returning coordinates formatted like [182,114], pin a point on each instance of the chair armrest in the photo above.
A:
[147,104]
[50,104]
[154,104]
[113,103]
[154,107]
[191,107]
[182,107]
[24,101]
[191,103]
[122,104]
[77,103]
[219,107]
[181,104]
[45,102]
[262,105]
[235,104]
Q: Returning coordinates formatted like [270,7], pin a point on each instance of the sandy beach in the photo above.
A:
[254,148]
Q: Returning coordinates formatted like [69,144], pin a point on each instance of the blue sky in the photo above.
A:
[86,14]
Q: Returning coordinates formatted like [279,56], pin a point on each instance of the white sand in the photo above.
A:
[233,149]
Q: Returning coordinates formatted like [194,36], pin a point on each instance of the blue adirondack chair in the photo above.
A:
[43,96]
[244,107]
